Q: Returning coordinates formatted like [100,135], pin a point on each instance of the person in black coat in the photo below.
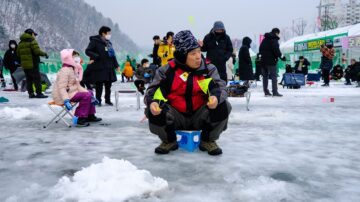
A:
[102,65]
[288,70]
[302,66]
[270,53]
[12,61]
[337,73]
[352,72]
[245,70]
[219,48]
[154,55]
[143,75]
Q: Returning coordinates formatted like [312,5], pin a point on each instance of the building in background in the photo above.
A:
[352,12]
[338,13]
[332,14]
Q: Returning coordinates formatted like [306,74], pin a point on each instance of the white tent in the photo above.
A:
[288,46]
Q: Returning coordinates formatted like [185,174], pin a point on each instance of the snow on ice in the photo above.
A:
[295,148]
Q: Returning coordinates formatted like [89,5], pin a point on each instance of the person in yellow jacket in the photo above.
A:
[128,72]
[167,49]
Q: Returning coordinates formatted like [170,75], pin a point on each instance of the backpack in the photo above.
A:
[235,89]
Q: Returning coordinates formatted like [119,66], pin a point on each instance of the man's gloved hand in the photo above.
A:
[46,56]
[94,101]
[283,58]
[68,104]
[166,55]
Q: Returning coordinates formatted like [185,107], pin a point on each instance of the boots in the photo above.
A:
[82,122]
[277,95]
[41,96]
[165,148]
[93,118]
[109,103]
[268,94]
[211,147]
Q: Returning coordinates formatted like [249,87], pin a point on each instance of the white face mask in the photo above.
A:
[12,46]
[108,37]
[77,60]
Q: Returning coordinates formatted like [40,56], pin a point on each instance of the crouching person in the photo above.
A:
[187,94]
[67,89]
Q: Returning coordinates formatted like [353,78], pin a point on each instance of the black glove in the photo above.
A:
[283,58]
[150,56]
[166,55]
[46,56]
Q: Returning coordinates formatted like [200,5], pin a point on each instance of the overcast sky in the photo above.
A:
[141,19]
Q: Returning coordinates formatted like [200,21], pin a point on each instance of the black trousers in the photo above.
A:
[258,73]
[13,79]
[33,78]
[326,75]
[269,72]
[212,122]
[99,90]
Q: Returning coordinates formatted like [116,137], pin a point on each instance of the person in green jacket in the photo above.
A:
[29,54]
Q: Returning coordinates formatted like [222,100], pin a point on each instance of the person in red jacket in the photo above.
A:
[187,94]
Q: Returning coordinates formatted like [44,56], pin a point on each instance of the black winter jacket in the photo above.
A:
[270,50]
[103,68]
[219,49]
[245,64]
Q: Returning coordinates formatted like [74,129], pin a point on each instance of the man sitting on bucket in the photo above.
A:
[187,94]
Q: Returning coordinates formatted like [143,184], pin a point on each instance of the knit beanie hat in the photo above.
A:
[184,42]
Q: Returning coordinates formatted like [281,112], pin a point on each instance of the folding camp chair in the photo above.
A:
[60,115]
[235,89]
[127,91]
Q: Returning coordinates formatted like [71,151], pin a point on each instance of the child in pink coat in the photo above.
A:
[67,89]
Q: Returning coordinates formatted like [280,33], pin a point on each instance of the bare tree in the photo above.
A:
[329,22]
[299,27]
[285,34]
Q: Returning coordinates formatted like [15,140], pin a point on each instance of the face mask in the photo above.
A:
[77,60]
[13,46]
[108,37]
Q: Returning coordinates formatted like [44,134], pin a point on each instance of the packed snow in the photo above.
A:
[17,113]
[111,180]
[295,148]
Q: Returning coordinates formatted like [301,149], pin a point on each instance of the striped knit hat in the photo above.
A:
[185,42]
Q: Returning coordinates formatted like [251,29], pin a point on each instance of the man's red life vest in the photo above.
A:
[185,94]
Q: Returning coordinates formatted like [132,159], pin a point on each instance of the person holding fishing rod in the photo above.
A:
[187,94]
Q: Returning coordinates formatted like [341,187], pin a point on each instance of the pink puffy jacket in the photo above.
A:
[67,84]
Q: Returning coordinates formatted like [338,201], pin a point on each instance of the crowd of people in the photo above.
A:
[186,91]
